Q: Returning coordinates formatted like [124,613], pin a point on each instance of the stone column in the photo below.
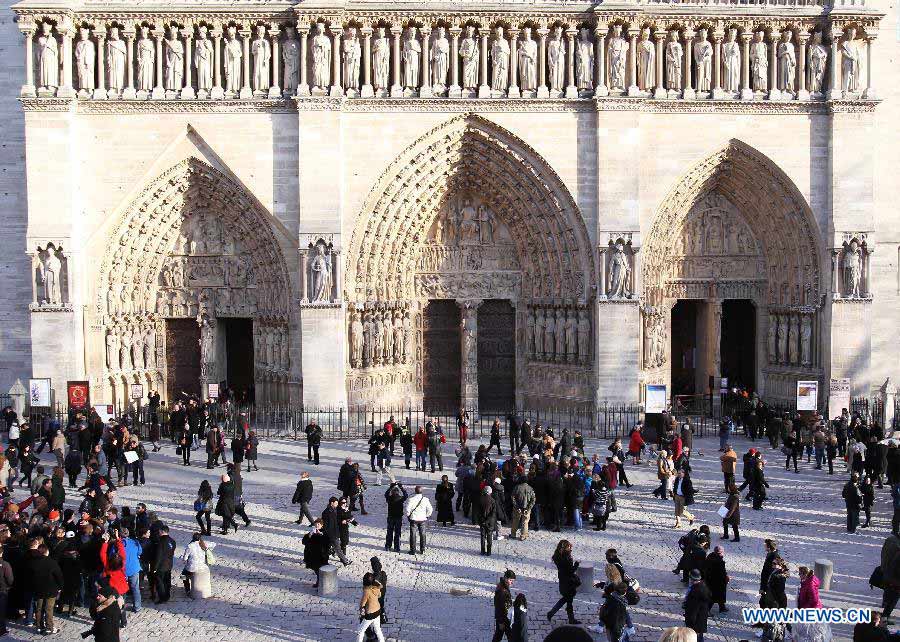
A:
[571,87]
[774,92]
[159,92]
[717,92]
[275,87]
[129,93]
[836,273]
[28,89]
[337,277]
[100,89]
[602,259]
[834,62]
[869,93]
[188,90]
[336,89]
[66,90]
[425,89]
[660,90]
[304,275]
[469,352]
[636,283]
[397,86]
[454,91]
[633,33]
[688,92]
[303,83]
[484,90]
[217,93]
[514,91]
[542,90]
[746,89]
[802,92]
[600,60]
[246,90]
[367,91]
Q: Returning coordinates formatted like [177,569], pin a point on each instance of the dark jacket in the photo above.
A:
[567,573]
[331,524]
[519,630]
[716,577]
[43,575]
[767,571]
[315,550]
[733,504]
[614,614]
[852,496]
[487,512]
[238,448]
[164,554]
[395,502]
[502,601]
[687,489]
[443,497]
[252,447]
[775,596]
[225,505]
[313,434]
[304,492]
[346,479]
[696,607]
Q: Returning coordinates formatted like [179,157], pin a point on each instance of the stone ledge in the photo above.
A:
[64,307]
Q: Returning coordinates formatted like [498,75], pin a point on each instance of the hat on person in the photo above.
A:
[695,575]
[54,515]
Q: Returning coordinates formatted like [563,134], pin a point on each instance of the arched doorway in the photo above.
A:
[471,214]
[732,280]
[193,289]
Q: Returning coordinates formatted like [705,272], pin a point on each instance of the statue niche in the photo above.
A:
[853,268]
[50,277]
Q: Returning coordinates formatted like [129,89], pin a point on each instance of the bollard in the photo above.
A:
[586,575]
[824,570]
[328,580]
[201,584]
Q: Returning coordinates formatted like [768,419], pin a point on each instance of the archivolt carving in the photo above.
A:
[469,155]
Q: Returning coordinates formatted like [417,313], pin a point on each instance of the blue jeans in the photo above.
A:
[820,456]
[421,458]
[29,607]
[134,583]
[87,589]
[577,515]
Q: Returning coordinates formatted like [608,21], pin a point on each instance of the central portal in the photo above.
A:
[182,358]
[496,356]
[441,363]
[239,356]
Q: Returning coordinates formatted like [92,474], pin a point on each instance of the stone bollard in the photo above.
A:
[328,580]
[824,571]
[201,584]
[586,574]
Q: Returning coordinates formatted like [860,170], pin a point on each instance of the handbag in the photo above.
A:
[200,505]
[210,558]
[178,450]
[785,450]
[876,580]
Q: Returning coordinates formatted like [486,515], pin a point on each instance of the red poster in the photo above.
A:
[78,394]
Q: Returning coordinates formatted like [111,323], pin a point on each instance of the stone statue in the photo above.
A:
[233,56]
[818,60]
[852,264]
[539,333]
[556,60]
[528,60]
[116,52]
[646,62]
[703,53]
[352,55]
[759,62]
[468,227]
[850,62]
[125,351]
[399,343]
[321,273]
[412,54]
[321,58]
[619,271]
[203,61]
[674,56]
[381,60]
[146,61]
[806,340]
[174,56]
[549,335]
[794,326]
[408,338]
[787,62]
[731,55]
[571,330]
[112,350]
[500,60]
[773,339]
[529,332]
[486,224]
[378,336]
[440,60]
[618,55]
[112,302]
[48,57]
[285,351]
[85,58]
[560,335]
[783,340]
[290,57]
[261,50]
[137,349]
[50,273]
[468,51]
[150,347]
[368,339]
[584,61]
[584,336]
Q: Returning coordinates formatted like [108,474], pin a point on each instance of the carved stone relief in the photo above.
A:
[51,277]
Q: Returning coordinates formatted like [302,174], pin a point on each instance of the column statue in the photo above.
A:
[290,57]
[852,265]
[539,333]
[818,60]
[468,51]
[618,56]
[850,62]
[787,62]
[571,330]
[85,59]
[703,54]
[674,56]
[500,59]
[560,335]
[529,332]
[137,349]
[619,271]
[321,273]
[233,55]
[759,62]
[556,61]
[527,59]
[584,61]
[116,53]
[806,340]
[146,61]
[646,62]
[47,57]
[368,339]
[388,337]
[150,347]
[440,60]
[412,54]
[731,56]
[773,339]
[783,339]
[174,56]
[112,350]
[399,343]
[381,59]
[261,50]
[549,335]
[378,336]
[125,351]
[584,336]
[321,59]
[352,57]
[203,61]
[793,340]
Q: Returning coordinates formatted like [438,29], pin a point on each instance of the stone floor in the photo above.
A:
[263,592]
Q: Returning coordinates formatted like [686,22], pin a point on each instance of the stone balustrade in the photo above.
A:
[818,54]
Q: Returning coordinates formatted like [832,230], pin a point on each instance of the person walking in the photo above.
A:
[162,561]
[683,492]
[396,497]
[238,449]
[315,549]
[370,609]
[716,577]
[792,449]
[331,526]
[568,580]
[196,558]
[636,445]
[435,441]
[203,507]
[252,455]
[225,504]
[665,470]
[729,463]
[613,614]
[495,438]
[890,568]
[733,514]
[303,495]
[502,605]
[758,484]
[487,519]
[853,501]
[867,488]
[808,595]
[106,609]
[443,499]
[313,441]
[417,510]
[696,605]
[212,447]
[519,630]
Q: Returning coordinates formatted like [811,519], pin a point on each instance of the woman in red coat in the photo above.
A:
[808,597]
[635,445]
[114,562]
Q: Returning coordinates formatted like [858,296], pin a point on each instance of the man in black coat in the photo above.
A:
[696,605]
[853,500]
[696,557]
[346,482]
[524,436]
[716,577]
[163,558]
[331,526]
[45,579]
[303,495]
[502,604]
[313,440]
[487,520]
[395,496]
[513,426]
[771,555]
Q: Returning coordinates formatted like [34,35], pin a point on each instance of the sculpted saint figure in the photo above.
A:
[794,336]
[618,55]
[556,60]
[352,56]
[85,57]
[440,60]
[399,338]
[731,55]
[115,61]
[137,349]
[381,58]
[618,273]
[539,333]
[174,53]
[290,56]
[321,269]
[850,62]
[852,265]
[584,61]
[759,62]
[468,51]
[703,54]
[388,337]
[646,62]
[818,58]
[146,61]
[368,339]
[529,333]
[773,339]
[125,351]
[412,53]
[528,55]
[584,336]
[150,347]
[233,55]
[787,62]
[321,58]
[261,51]
[500,59]
[674,56]
[48,57]
[203,60]
[560,335]
[468,228]
[549,335]
[112,350]
[50,272]
[571,328]
[378,335]
[783,340]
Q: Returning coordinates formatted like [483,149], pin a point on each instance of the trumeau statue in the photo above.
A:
[787,62]
[146,58]
[618,55]
[759,63]
[584,61]
[203,61]
[528,60]
[468,51]
[852,265]
[85,57]
[290,55]
[321,58]
[618,274]
[321,272]
[674,56]
[174,56]
[412,54]
[850,62]
[352,55]
[731,55]
[47,57]
[818,59]
[556,61]
[500,60]
[646,62]
[440,60]
[703,54]
[233,55]
[116,51]
[381,59]
[50,273]
[261,51]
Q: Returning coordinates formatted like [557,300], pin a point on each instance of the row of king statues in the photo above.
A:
[558,334]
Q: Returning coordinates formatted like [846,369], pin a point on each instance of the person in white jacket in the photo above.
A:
[194,557]
[417,510]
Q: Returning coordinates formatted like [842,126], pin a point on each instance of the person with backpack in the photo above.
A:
[614,616]
[303,495]
[203,507]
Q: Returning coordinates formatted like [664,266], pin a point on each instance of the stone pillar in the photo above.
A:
[303,84]
[513,91]
[337,277]
[129,93]
[484,90]
[28,89]
[834,61]
[469,353]
[717,92]
[836,273]
[304,275]
[425,88]
[633,33]
[746,89]
[869,93]
[100,89]
[397,86]
[246,90]
[888,394]
[602,259]
[188,90]
[336,89]
[542,90]
[367,91]
[323,350]
[636,283]
[660,90]
[600,60]
[571,87]
[275,87]
[802,92]
[774,93]
[217,93]
[159,92]
[454,91]
[66,90]
[688,92]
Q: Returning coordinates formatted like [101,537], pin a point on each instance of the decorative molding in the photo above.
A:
[319,305]
[48,104]
[64,307]
[124,107]
[678,106]
[466,105]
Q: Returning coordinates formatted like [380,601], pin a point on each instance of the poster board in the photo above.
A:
[838,397]
[137,391]
[105,412]
[807,395]
[213,391]
[39,393]
[656,399]
[78,394]
[131,456]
